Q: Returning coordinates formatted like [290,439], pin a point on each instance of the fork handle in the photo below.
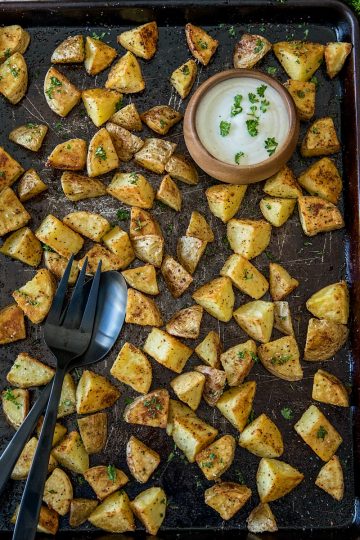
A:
[31,500]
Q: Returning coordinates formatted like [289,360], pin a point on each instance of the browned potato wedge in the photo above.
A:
[320,139]
[209,350]
[317,215]
[256,319]
[118,242]
[161,118]
[167,350]
[141,40]
[324,339]
[282,358]
[281,283]
[150,508]
[227,498]
[12,324]
[189,387]
[29,136]
[331,478]
[77,187]
[132,189]
[169,194]
[189,252]
[303,94]
[69,51]
[184,77]
[23,246]
[248,237]
[105,480]
[176,277]
[10,170]
[236,404]
[92,226]
[142,310]
[300,59]
[224,200]
[114,514]
[102,157]
[283,184]
[98,55]
[282,318]
[275,479]
[155,154]
[94,393]
[58,492]
[36,296]
[30,185]
[48,520]
[142,223]
[70,453]
[276,210]
[14,78]
[201,45]
[215,381]
[80,510]
[128,118]
[13,215]
[262,438]
[142,278]
[322,179]
[13,39]
[335,56]
[245,276]
[199,228]
[59,237]
[15,403]
[100,104]
[149,410]
[250,50]
[125,143]
[217,458]
[149,248]
[93,432]
[177,409]
[125,76]
[61,95]
[132,367]
[141,460]
[57,265]
[23,464]
[261,519]
[182,169]
[27,372]
[186,322]
[331,303]
[191,435]
[238,361]
[217,298]
[59,431]
[67,403]
[70,155]
[329,389]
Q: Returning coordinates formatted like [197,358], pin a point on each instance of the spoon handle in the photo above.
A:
[31,500]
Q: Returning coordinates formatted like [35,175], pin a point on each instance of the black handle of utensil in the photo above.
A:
[31,500]
[13,450]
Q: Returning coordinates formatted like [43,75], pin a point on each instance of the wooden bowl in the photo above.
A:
[239,174]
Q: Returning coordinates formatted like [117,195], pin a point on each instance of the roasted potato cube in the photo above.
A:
[202,46]
[189,251]
[80,510]
[331,478]
[69,51]
[149,410]
[322,179]
[77,187]
[282,358]
[29,136]
[118,242]
[281,283]
[331,303]
[98,55]
[23,464]
[320,139]
[256,319]
[70,155]
[114,514]
[94,393]
[316,430]
[275,479]
[191,435]
[23,246]
[236,404]
[182,169]
[30,185]
[303,94]
[59,237]
[132,189]
[199,228]
[215,381]
[10,170]
[15,404]
[128,118]
[276,210]
[217,298]
[329,389]
[317,215]
[13,39]
[125,76]
[217,458]
[71,454]
[105,480]
[167,350]
[27,371]
[282,318]
[58,492]
[149,248]
[142,223]
[186,322]
[48,520]
[209,350]
[93,432]
[161,118]
[142,278]
[176,277]
[262,438]
[102,157]
[142,310]
[155,154]
[59,431]
[324,339]
[100,104]
[261,519]
[224,200]
[335,56]
[150,508]
[248,237]
[141,460]
[283,184]
[13,215]
[227,498]
[133,368]
[177,409]
[183,78]
[189,387]
[14,78]
[238,361]
[169,194]
[57,265]
[92,226]
[300,59]
[67,404]
[141,41]
[12,324]
[249,50]
[61,95]
[36,296]
[125,142]
[245,276]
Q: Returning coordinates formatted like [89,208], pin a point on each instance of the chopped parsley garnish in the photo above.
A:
[252,98]
[315,80]
[251,416]
[268,206]
[240,477]
[133,178]
[224,128]
[67,403]
[271,145]
[154,406]
[123,215]
[236,107]
[100,153]
[261,90]
[315,130]
[81,480]
[14,70]
[185,69]
[47,248]
[111,472]
[238,156]
[7,53]
[128,400]
[68,146]
[254,357]
[231,31]
[170,227]
[170,457]
[139,225]
[241,355]
[300,94]
[30,125]
[101,36]
[252,126]
[54,83]
[272,70]
[202,44]
[119,105]
[287,413]
[247,275]
[259,45]
[163,123]
[225,241]
[2,174]
[321,433]
[281,359]
[10,396]
[264,105]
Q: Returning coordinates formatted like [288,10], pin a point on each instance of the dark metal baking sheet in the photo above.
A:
[327,259]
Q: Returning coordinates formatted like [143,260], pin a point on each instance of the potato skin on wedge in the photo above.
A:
[282,358]
[227,498]
[142,40]
[201,45]
[324,339]
[149,410]
[250,50]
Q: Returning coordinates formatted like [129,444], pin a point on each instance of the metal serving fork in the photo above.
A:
[67,333]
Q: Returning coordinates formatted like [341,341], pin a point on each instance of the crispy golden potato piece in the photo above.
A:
[262,438]
[14,78]
[155,154]
[142,223]
[132,367]
[150,508]
[191,435]
[57,265]
[227,498]
[182,169]
[245,276]
[236,404]
[59,237]
[23,464]
[322,179]
[167,350]
[67,403]
[177,409]
[161,118]
[189,252]
[202,46]
[141,41]
[331,478]
[77,187]
[303,94]
[149,248]
[324,339]
[142,278]
[61,95]
[36,296]
[13,39]
[283,184]
[189,387]
[100,104]
[27,372]
[114,514]
[282,318]
[141,460]
[199,228]
[238,361]
[329,389]
[249,50]
[186,322]
[23,246]
[248,237]
[105,480]
[70,155]
[224,200]
[149,410]
[215,460]
[261,519]
[217,298]
[125,76]
[282,358]
[12,324]
[94,393]
[316,430]
[317,215]
[215,380]
[102,157]
[300,59]
[69,51]
[275,479]
[92,226]
[118,242]
[128,118]
[48,520]
[335,56]
[125,142]
[98,55]
[331,303]
[10,170]
[80,510]
[281,283]
[276,210]
[30,185]
[29,136]
[15,403]
[58,492]
[209,350]
[169,194]
[183,78]
[71,454]
[13,215]
[256,319]
[176,277]
[142,310]
[320,139]
[93,432]
[59,431]
[132,189]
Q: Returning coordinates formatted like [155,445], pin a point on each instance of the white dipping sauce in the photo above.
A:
[236,145]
